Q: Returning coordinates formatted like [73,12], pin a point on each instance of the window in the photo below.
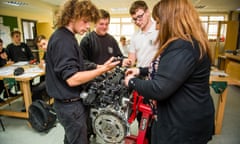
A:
[121,26]
[127,29]
[210,25]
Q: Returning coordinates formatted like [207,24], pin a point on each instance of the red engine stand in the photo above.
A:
[146,111]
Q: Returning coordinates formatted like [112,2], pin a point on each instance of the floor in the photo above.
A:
[18,131]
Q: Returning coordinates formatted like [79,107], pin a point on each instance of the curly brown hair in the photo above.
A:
[76,9]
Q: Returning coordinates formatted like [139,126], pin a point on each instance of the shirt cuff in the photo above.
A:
[131,83]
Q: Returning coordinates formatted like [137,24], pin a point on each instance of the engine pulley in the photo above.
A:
[110,127]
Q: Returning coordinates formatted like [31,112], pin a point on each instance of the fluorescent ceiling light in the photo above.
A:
[119,10]
[15,3]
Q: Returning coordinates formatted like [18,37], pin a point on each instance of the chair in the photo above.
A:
[3,128]
[10,83]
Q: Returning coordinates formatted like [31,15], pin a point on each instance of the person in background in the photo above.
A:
[178,77]
[124,46]
[42,43]
[39,90]
[3,55]
[17,50]
[65,71]
[98,46]
[3,61]
[142,47]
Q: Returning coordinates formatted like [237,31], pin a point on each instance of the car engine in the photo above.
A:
[109,102]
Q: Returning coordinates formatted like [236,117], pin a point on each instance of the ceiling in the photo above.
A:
[119,6]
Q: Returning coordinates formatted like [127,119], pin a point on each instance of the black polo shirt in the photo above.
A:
[19,52]
[63,59]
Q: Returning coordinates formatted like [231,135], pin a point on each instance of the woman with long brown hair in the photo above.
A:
[178,77]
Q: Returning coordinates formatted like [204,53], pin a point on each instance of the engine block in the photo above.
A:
[109,102]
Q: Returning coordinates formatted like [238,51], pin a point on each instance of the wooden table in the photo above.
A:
[24,81]
[222,101]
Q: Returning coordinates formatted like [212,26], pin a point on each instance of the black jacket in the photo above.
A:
[180,85]
[98,49]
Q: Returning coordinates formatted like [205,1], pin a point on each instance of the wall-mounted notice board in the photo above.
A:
[7,24]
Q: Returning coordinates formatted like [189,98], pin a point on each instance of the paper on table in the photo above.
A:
[8,70]
[218,73]
[35,69]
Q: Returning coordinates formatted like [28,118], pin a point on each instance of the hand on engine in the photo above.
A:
[109,64]
[126,62]
[132,71]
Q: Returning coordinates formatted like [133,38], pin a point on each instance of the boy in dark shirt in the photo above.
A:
[17,50]
[98,45]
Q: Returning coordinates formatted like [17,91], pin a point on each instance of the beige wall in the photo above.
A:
[26,15]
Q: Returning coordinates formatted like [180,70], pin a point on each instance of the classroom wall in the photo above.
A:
[44,17]
[39,18]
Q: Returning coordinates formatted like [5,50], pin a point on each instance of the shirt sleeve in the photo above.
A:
[65,58]
[84,46]
[2,62]
[118,51]
[8,51]
[132,47]
[29,52]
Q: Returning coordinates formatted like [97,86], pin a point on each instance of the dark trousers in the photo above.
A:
[1,86]
[73,117]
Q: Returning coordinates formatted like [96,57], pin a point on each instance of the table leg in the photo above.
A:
[27,95]
[220,111]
